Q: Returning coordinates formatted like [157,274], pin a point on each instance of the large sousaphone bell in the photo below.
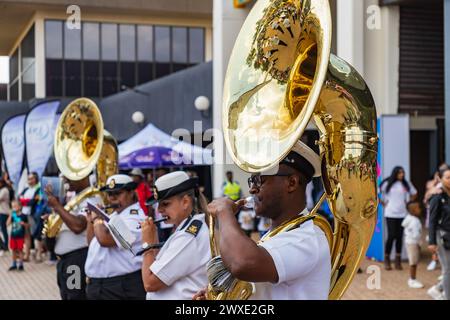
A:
[281,75]
[82,145]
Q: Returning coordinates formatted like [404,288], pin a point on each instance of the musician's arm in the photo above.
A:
[76,223]
[89,232]
[241,255]
[151,282]
[102,234]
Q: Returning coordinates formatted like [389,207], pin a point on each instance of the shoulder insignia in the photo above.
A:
[134,211]
[194,227]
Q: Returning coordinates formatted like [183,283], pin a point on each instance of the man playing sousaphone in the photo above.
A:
[292,265]
[71,245]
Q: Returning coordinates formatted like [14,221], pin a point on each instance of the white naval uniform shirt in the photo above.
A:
[106,262]
[181,262]
[303,262]
[67,241]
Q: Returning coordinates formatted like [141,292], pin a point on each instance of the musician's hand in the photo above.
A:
[149,231]
[200,295]
[225,205]
[90,216]
[52,201]
[45,216]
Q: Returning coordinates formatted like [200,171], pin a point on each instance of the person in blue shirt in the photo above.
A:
[18,222]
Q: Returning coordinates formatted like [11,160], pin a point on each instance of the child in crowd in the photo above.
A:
[18,222]
[413,237]
[246,220]
[264,225]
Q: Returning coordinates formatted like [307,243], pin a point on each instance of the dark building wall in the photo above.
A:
[3,91]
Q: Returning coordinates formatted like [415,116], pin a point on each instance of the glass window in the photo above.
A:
[14,66]
[91,41]
[145,72]
[14,92]
[73,78]
[145,43]
[127,37]
[27,50]
[53,77]
[162,51]
[109,42]
[53,39]
[28,91]
[72,43]
[127,74]
[196,45]
[162,44]
[109,78]
[91,78]
[179,45]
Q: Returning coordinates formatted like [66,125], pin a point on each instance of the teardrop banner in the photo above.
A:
[13,147]
[40,135]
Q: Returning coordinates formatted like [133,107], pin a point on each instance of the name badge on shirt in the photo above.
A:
[194,227]
[134,211]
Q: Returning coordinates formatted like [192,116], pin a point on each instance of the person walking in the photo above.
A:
[396,191]
[439,228]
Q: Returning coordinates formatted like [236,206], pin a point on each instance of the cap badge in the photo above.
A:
[112,184]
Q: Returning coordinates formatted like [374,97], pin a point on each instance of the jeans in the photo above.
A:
[444,259]
[395,232]
[4,230]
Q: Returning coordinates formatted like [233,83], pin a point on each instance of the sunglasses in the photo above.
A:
[115,193]
[256,181]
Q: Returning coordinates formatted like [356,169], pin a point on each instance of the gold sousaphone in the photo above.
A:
[82,145]
[278,79]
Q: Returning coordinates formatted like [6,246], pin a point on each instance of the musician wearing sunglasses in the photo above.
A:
[112,271]
[293,264]
[178,269]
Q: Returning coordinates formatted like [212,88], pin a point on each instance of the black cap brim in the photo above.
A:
[192,183]
[117,187]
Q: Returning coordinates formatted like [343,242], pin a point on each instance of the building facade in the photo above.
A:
[98,48]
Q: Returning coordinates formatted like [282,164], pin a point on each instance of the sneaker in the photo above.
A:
[21,268]
[415,284]
[435,293]
[12,268]
[432,265]
[51,262]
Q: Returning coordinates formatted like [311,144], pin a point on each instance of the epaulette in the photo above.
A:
[194,227]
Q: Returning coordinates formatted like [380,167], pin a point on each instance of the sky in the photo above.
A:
[4,72]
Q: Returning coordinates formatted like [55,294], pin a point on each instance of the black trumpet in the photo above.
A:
[156,221]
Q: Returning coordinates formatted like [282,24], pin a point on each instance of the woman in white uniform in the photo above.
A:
[177,270]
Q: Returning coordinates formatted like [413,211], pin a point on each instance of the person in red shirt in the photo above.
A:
[143,191]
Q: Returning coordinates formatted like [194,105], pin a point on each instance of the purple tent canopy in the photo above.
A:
[150,157]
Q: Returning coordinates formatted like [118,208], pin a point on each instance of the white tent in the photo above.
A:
[151,136]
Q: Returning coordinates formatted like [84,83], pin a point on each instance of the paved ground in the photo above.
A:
[38,281]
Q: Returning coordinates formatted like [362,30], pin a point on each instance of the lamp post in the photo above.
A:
[139,118]
[201,103]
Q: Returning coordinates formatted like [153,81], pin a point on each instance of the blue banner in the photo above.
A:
[13,147]
[376,248]
[39,135]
